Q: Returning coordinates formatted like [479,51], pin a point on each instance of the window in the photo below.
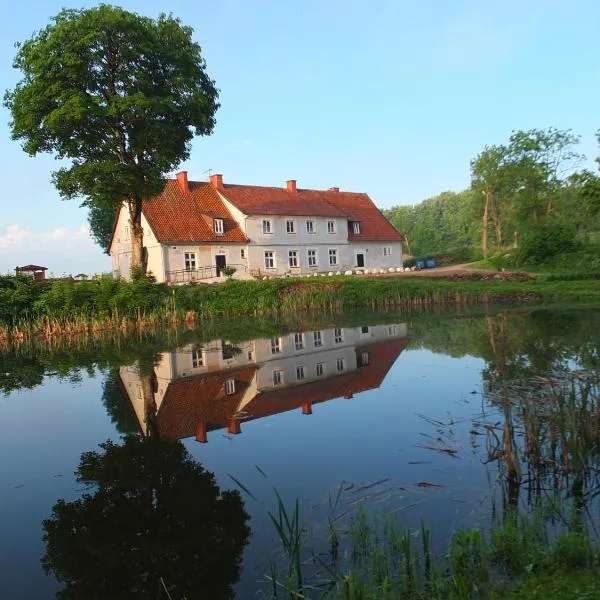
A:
[387,250]
[364,359]
[317,339]
[275,345]
[364,330]
[312,258]
[197,357]
[320,369]
[269,260]
[300,373]
[290,226]
[293,258]
[127,234]
[243,253]
[356,227]
[139,391]
[310,227]
[250,356]
[392,330]
[219,229]
[227,350]
[230,386]
[333,257]
[337,336]
[299,341]
[267,226]
[277,377]
[189,260]
[330,226]
[340,365]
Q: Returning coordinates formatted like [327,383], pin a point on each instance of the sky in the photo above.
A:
[389,97]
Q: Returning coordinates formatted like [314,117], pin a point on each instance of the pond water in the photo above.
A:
[414,415]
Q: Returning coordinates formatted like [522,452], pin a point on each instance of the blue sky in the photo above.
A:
[391,97]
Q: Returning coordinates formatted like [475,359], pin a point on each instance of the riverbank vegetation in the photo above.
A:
[52,308]
[543,542]
[529,205]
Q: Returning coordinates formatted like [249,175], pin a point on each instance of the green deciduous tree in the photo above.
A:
[118,95]
[101,219]
[153,520]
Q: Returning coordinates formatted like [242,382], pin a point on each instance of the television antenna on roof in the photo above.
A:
[209,171]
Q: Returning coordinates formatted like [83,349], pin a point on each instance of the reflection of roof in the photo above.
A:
[193,399]
[177,216]
[190,401]
[31,268]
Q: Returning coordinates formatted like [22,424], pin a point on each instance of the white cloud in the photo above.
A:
[62,250]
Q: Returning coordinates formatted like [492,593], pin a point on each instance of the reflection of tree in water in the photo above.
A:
[154,516]
[116,403]
[544,379]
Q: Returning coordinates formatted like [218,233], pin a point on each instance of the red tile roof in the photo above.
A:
[193,399]
[176,216]
[374,227]
[258,200]
[189,401]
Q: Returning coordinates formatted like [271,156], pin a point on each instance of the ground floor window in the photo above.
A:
[275,345]
[337,336]
[300,373]
[243,253]
[317,339]
[299,341]
[269,260]
[320,369]
[387,250]
[312,258]
[189,261]
[293,258]
[340,365]
[333,257]
[197,357]
[277,377]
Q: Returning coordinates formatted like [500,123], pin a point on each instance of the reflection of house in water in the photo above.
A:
[196,389]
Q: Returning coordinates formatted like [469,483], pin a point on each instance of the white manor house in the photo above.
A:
[193,230]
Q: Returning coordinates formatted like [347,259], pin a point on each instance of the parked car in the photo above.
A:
[427,263]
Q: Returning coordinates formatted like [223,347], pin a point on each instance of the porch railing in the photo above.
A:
[199,274]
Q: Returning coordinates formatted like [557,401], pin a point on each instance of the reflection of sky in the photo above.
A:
[373,436]
[42,435]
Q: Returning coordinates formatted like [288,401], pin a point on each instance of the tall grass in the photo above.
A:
[64,307]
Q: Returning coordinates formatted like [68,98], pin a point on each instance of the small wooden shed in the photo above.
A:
[35,271]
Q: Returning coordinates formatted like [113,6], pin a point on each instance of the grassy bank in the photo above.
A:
[30,309]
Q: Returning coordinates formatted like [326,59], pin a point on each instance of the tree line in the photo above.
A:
[528,197]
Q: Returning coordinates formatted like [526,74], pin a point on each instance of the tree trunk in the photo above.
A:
[138,261]
[496,220]
[515,239]
[485,225]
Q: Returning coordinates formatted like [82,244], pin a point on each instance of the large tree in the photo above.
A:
[118,95]
[152,519]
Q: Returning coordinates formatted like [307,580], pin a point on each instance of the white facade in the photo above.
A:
[277,246]
[282,362]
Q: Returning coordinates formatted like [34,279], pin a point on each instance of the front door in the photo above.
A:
[360,260]
[221,263]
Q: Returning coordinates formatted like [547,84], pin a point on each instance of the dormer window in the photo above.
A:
[218,227]
[356,227]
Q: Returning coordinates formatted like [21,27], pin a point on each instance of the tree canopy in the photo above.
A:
[117,95]
[154,518]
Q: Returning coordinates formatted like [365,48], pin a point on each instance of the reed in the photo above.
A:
[66,308]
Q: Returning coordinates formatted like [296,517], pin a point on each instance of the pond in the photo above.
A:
[444,418]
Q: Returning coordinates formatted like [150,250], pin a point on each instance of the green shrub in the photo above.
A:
[544,243]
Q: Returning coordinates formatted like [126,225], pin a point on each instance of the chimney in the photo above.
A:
[182,180]
[291,186]
[333,189]
[216,181]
